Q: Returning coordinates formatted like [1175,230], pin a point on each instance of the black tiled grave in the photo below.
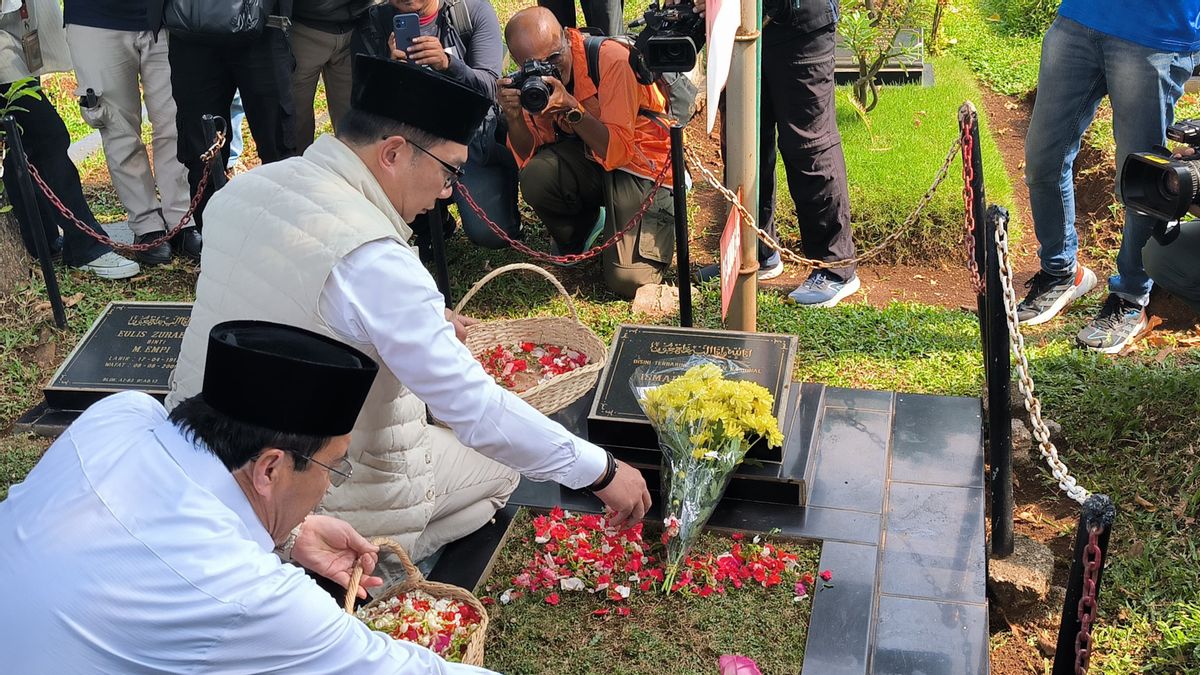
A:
[897,500]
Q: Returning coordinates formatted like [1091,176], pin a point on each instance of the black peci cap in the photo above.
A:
[418,97]
[285,379]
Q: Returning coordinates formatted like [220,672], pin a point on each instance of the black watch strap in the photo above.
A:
[610,472]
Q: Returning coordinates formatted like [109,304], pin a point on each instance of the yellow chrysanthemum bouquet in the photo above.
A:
[706,422]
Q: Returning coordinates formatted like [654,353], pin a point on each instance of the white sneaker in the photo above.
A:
[765,273]
[112,266]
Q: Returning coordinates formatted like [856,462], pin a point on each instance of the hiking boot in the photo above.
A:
[111,266]
[1118,322]
[823,288]
[1049,294]
[159,255]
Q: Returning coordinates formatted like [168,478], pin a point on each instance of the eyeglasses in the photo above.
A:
[336,476]
[454,173]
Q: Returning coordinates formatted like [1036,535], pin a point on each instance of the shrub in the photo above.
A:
[1026,18]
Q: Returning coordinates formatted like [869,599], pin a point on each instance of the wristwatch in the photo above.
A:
[574,115]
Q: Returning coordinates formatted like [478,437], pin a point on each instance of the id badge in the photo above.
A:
[33,51]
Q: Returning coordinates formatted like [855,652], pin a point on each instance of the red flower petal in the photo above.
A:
[552,599]
[600,612]
[623,611]
[826,575]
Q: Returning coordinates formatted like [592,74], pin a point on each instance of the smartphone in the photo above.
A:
[407,27]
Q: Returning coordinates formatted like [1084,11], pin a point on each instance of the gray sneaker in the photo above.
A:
[824,289]
[1118,322]
[1048,295]
[111,266]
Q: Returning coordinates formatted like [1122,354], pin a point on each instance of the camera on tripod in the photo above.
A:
[1157,185]
[535,93]
[672,36]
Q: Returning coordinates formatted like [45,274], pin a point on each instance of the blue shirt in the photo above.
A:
[1166,25]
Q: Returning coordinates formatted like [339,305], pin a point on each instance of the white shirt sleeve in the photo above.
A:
[381,294]
[307,632]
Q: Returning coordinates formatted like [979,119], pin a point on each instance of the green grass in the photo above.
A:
[60,88]
[18,454]
[666,634]
[974,31]
[892,157]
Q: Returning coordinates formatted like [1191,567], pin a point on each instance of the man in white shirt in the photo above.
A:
[320,241]
[142,543]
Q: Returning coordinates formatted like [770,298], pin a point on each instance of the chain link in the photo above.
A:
[1093,559]
[1065,480]
[792,256]
[207,157]
[967,142]
[568,258]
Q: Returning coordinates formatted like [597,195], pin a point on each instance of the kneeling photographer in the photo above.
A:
[1167,188]
[589,151]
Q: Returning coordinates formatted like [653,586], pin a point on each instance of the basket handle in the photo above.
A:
[512,268]
[410,570]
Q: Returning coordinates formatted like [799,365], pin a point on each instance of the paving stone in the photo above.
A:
[1020,582]
[656,300]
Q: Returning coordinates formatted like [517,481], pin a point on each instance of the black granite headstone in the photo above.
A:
[131,346]
[617,419]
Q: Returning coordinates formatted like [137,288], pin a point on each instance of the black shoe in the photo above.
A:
[159,255]
[188,243]
[56,249]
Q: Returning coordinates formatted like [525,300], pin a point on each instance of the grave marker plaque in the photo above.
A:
[131,346]
[617,420]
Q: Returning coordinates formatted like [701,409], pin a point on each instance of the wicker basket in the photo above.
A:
[415,581]
[562,390]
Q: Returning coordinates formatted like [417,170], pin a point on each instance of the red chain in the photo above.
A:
[66,212]
[1092,562]
[569,257]
[968,145]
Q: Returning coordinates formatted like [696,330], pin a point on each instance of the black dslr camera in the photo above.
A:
[668,44]
[535,93]
[1156,185]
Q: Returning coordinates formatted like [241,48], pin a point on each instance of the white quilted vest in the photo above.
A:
[271,238]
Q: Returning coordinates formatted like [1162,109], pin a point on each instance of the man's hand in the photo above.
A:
[699,4]
[509,100]
[626,496]
[427,50]
[560,100]
[460,323]
[330,547]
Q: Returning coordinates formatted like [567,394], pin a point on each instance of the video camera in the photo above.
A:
[1156,185]
[535,93]
[672,36]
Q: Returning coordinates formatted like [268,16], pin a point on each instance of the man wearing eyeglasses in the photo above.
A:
[143,542]
[320,241]
[591,156]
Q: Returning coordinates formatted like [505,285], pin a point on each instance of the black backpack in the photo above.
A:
[679,90]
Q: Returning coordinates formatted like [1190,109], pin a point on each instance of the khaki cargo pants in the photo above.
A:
[566,189]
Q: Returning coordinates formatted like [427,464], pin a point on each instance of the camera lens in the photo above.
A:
[1168,184]
[535,95]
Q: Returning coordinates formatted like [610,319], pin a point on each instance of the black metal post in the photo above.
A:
[1097,512]
[684,264]
[999,378]
[33,218]
[978,212]
[437,245]
[210,124]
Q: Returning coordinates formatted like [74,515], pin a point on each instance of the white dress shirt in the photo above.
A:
[130,549]
[381,294]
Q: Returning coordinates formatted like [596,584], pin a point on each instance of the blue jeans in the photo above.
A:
[1079,67]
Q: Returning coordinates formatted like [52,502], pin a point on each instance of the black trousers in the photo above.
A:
[46,141]
[799,115]
[603,14]
[204,77]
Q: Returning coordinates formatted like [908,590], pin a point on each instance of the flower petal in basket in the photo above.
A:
[562,390]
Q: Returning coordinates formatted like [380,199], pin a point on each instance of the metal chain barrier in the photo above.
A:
[568,258]
[207,157]
[1093,560]
[967,143]
[792,256]
[1025,383]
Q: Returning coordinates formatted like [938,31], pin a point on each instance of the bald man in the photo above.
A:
[590,158]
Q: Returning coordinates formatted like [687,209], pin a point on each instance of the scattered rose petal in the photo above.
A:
[801,590]
[826,575]
[572,584]
[552,599]
[506,597]
[623,611]
[736,664]
[600,612]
